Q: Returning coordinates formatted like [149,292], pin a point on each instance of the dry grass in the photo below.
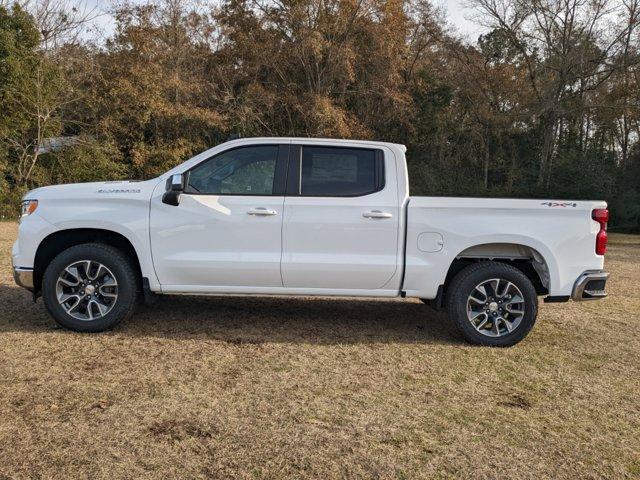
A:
[322,388]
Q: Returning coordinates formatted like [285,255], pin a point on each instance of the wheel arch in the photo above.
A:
[525,258]
[57,242]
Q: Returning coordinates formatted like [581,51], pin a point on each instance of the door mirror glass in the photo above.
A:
[175,186]
[176,183]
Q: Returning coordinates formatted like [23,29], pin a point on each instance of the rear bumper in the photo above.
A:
[23,277]
[590,285]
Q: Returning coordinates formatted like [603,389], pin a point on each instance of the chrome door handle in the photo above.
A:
[261,211]
[377,214]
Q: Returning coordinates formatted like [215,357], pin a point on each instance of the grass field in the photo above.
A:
[320,388]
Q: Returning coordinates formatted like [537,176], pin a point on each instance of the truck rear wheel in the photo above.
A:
[90,287]
[492,303]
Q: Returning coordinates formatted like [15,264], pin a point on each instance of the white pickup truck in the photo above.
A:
[300,216]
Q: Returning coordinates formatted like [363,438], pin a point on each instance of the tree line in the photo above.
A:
[545,104]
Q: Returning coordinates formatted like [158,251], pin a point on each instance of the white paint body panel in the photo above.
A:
[563,236]
[328,243]
[211,240]
[314,245]
[121,207]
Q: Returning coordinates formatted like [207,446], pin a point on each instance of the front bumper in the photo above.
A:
[23,277]
[590,285]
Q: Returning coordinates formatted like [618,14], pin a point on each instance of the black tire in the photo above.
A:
[118,264]
[463,285]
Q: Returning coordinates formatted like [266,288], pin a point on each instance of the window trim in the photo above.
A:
[294,172]
[279,175]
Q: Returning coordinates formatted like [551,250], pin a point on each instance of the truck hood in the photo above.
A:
[94,205]
[115,189]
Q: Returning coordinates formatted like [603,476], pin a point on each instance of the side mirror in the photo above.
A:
[175,186]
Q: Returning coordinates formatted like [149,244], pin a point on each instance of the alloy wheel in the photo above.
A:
[87,290]
[495,307]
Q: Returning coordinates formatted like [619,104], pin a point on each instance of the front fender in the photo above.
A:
[120,212]
[137,233]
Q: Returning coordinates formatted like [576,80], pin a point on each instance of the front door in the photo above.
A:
[227,229]
[342,218]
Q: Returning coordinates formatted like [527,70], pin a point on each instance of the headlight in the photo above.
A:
[28,207]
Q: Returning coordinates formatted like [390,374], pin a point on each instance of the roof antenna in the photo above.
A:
[233,136]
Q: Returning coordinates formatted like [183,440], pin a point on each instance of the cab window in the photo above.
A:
[241,171]
[340,172]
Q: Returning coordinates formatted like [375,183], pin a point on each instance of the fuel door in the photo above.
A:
[430,242]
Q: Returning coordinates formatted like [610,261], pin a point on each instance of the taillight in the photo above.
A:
[601,215]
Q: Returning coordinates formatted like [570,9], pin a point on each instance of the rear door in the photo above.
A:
[341,218]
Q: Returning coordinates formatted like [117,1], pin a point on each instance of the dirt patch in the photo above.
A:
[516,401]
[177,430]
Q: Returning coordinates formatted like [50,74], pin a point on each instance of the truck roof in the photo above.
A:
[323,140]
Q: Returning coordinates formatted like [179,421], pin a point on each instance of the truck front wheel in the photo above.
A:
[492,303]
[90,287]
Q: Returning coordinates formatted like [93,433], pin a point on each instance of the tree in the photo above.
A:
[153,93]
[544,104]
[568,48]
[30,93]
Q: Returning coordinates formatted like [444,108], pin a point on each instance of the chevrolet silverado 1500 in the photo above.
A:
[299,216]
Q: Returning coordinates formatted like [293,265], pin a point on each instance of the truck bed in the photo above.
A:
[558,235]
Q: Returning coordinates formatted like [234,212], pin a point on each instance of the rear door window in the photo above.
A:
[340,172]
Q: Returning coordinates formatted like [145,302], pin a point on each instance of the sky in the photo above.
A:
[460,17]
